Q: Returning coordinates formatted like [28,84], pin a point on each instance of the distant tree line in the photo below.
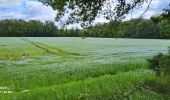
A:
[33,28]
[156,27]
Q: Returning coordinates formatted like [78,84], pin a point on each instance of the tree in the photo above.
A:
[49,28]
[33,28]
[86,10]
[147,29]
[160,63]
[163,21]
[165,28]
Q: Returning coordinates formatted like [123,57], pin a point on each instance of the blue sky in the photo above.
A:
[34,10]
[25,9]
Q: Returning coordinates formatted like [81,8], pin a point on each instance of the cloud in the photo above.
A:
[34,10]
[12,15]
[9,3]
[37,11]
[155,8]
[26,10]
[100,20]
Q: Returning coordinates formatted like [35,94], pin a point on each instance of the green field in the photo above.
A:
[75,68]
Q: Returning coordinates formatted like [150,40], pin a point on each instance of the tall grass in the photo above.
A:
[119,86]
[18,77]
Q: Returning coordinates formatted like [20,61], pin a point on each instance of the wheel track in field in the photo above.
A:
[50,49]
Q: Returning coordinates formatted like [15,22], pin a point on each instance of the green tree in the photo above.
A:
[147,29]
[86,10]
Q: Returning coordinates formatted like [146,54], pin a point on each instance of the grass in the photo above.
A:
[103,87]
[75,68]
[19,78]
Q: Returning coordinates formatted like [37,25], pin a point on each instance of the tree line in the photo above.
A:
[33,28]
[157,27]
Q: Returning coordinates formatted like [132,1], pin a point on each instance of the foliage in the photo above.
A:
[165,28]
[86,10]
[156,27]
[163,23]
[136,28]
[33,28]
[160,63]
[22,28]
[154,63]
[147,29]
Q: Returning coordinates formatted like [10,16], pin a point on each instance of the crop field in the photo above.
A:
[58,68]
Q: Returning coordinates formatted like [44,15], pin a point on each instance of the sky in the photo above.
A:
[34,10]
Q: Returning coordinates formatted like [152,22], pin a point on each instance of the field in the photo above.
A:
[75,68]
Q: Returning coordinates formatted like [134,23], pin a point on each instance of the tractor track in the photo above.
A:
[49,49]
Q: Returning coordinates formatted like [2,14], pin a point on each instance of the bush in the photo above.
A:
[165,65]
[160,63]
[154,63]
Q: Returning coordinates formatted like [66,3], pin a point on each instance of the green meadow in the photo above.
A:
[62,68]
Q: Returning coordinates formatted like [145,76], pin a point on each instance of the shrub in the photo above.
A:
[160,63]
[154,63]
[165,65]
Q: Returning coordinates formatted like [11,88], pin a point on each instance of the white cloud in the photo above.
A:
[34,10]
[26,9]
[12,15]
[9,3]
[74,26]
[100,20]
[37,11]
[156,7]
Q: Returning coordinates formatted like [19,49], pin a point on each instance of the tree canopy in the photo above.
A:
[86,10]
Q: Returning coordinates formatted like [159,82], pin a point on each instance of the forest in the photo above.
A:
[157,27]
